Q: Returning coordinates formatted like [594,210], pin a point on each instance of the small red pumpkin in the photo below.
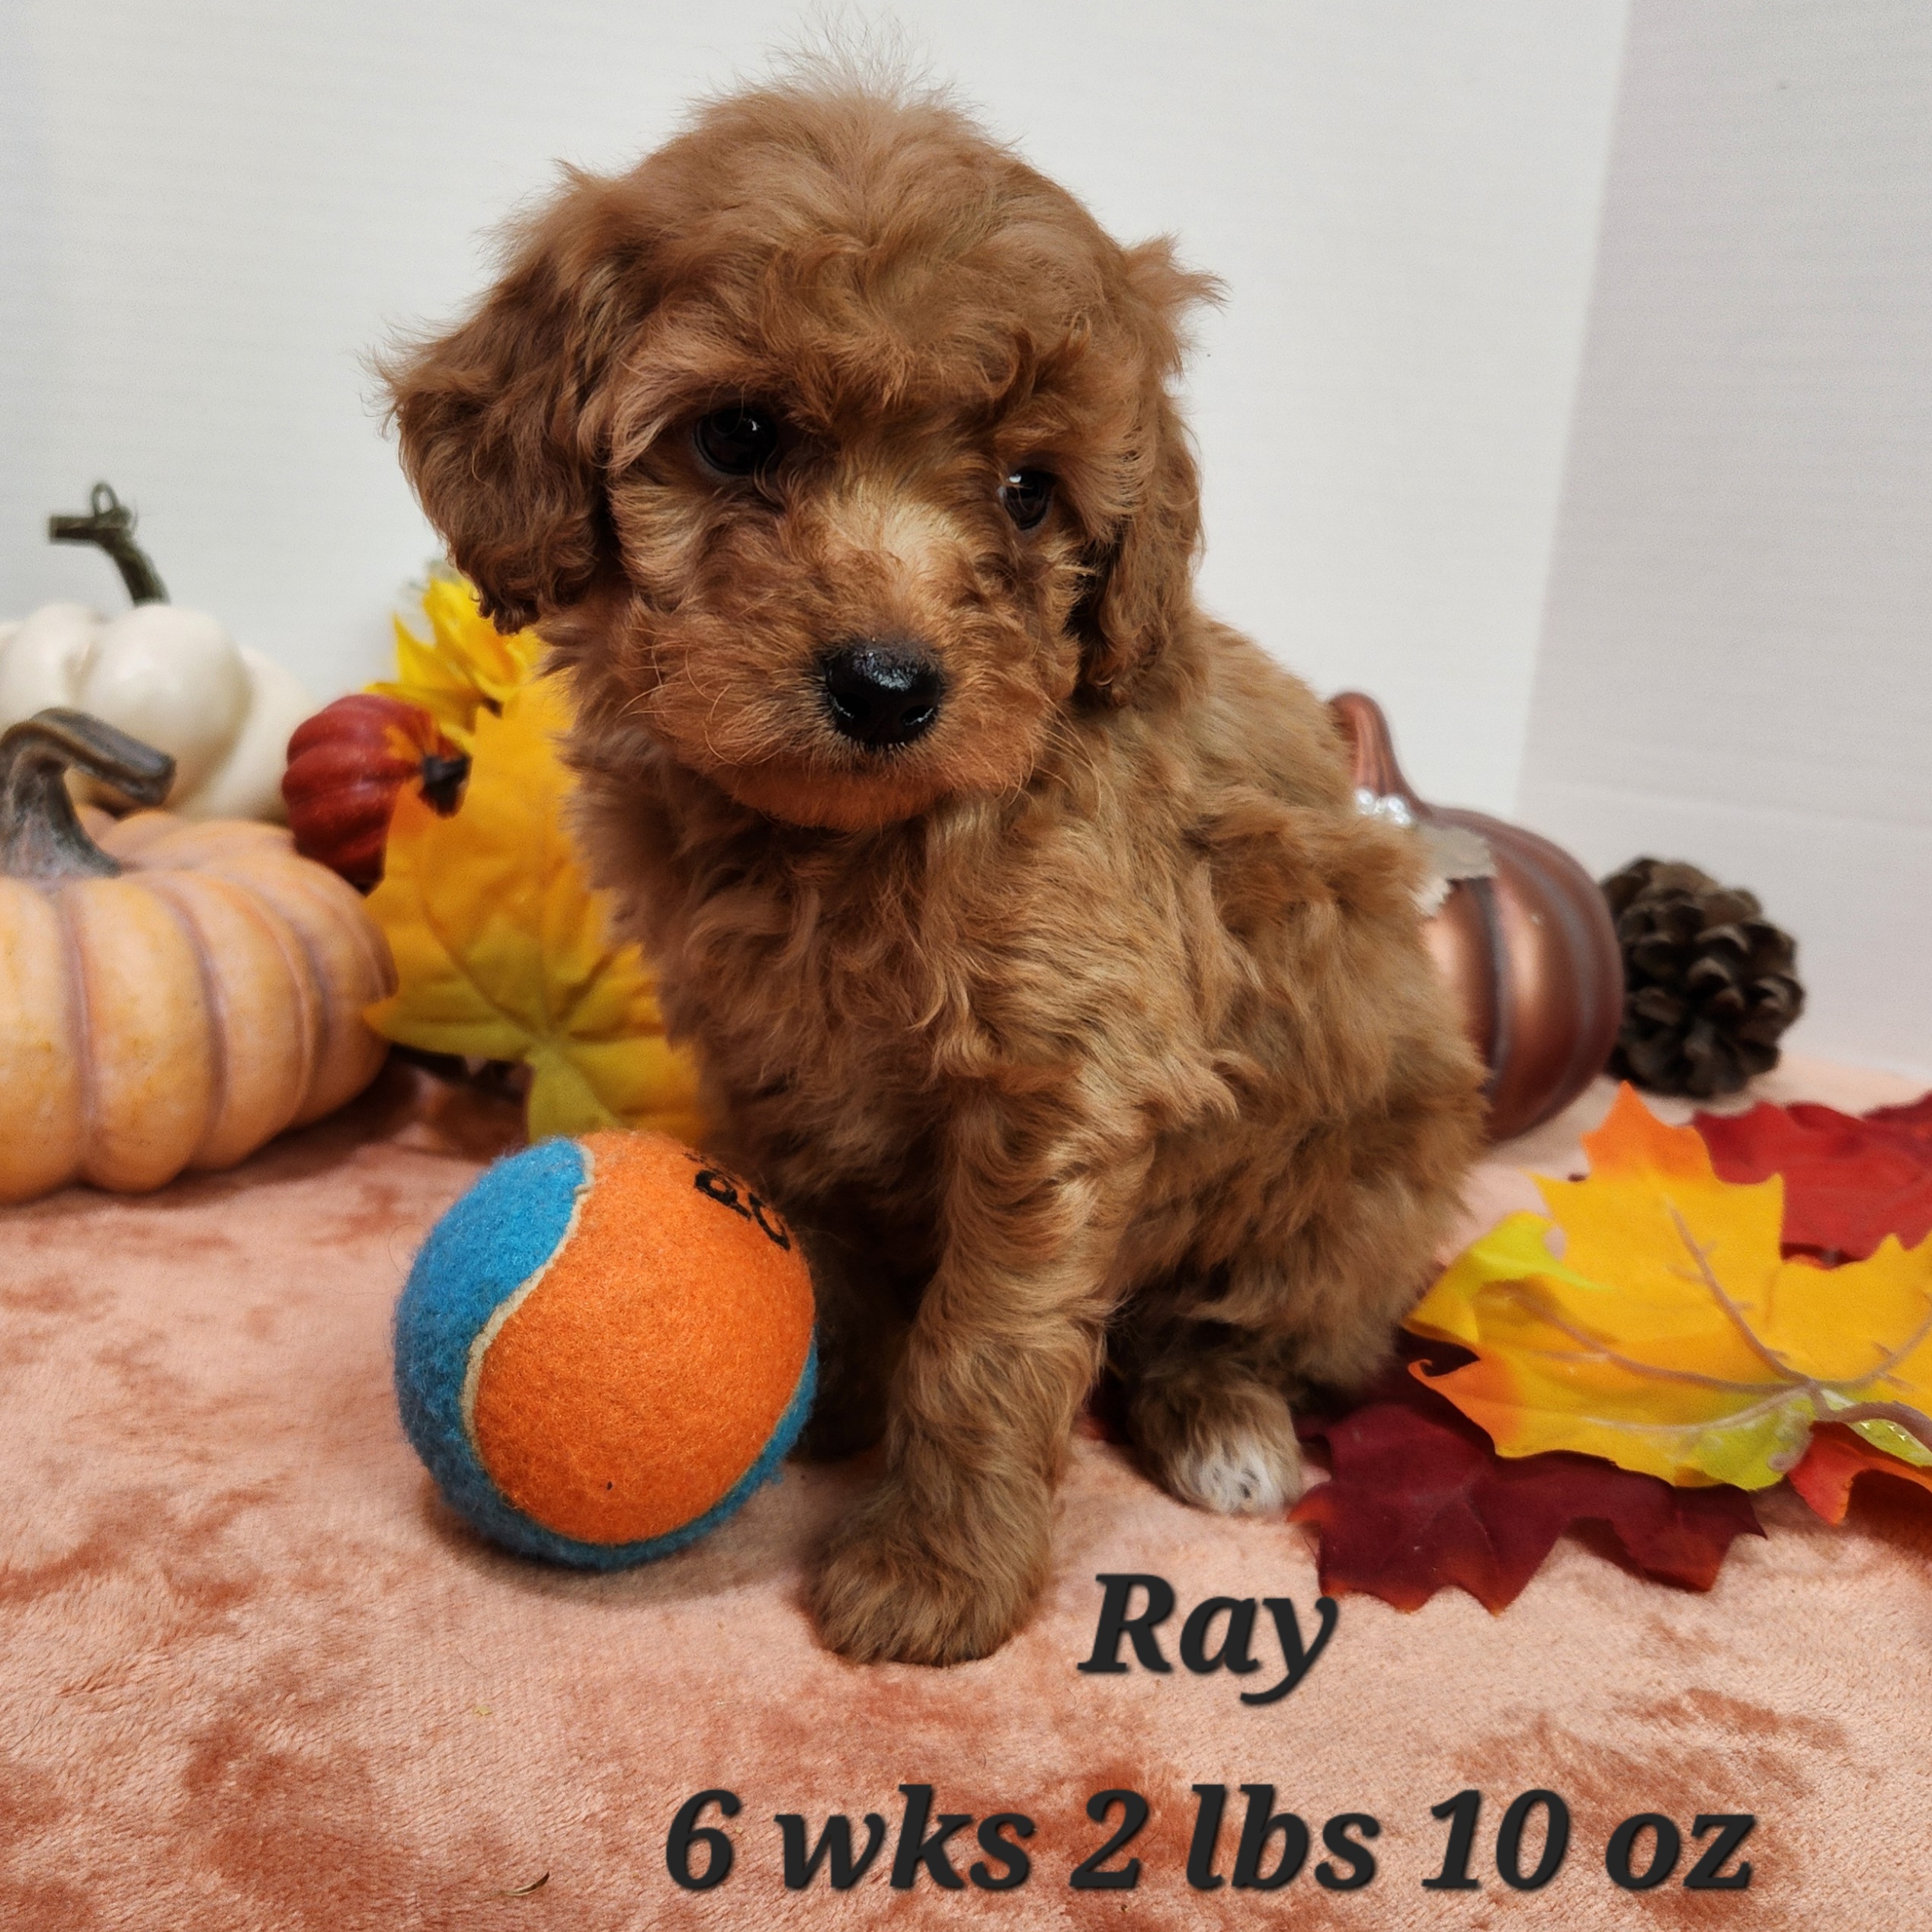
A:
[346,765]
[1530,950]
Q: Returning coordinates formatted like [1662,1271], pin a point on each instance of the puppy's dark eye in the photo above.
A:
[740,441]
[1027,496]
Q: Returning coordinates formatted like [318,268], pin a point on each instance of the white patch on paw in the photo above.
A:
[1239,1473]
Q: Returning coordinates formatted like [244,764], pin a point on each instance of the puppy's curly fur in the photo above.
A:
[1092,1022]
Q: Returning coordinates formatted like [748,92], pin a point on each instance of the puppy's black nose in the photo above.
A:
[881,695]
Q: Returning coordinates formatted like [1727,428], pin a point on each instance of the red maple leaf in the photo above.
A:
[1418,1500]
[1835,1460]
[1849,1179]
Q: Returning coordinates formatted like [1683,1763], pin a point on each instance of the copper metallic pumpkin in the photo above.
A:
[173,995]
[1531,951]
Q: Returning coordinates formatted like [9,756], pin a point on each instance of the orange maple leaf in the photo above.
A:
[1835,1460]
[1651,1320]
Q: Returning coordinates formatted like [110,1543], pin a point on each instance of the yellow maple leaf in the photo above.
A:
[502,949]
[465,665]
[1652,1320]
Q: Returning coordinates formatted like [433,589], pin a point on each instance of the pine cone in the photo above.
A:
[1708,981]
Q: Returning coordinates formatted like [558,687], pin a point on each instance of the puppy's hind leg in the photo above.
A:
[1207,1410]
[1316,1306]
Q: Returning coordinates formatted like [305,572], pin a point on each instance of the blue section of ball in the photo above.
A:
[486,1248]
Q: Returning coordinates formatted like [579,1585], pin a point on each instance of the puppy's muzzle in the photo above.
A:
[881,695]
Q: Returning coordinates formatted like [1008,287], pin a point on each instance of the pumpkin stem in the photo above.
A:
[110,523]
[442,781]
[41,836]
[1364,727]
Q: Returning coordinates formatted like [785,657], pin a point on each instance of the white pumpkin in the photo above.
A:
[171,678]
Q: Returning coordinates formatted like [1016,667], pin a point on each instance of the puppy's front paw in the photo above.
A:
[896,1586]
[1222,1443]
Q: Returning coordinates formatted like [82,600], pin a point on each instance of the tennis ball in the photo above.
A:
[604,1347]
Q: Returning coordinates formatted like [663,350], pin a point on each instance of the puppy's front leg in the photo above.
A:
[939,1564]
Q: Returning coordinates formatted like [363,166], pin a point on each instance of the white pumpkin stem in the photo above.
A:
[110,523]
[41,836]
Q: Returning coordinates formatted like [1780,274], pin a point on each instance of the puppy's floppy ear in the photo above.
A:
[1143,577]
[501,420]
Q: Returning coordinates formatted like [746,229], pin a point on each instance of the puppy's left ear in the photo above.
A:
[1143,577]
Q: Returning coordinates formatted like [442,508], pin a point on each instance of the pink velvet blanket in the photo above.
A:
[254,1675]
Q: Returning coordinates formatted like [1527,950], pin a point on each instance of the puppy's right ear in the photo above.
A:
[501,420]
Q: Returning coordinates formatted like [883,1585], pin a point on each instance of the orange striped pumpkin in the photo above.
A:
[172,995]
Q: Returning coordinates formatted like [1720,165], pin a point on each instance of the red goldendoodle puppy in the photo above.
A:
[1039,962]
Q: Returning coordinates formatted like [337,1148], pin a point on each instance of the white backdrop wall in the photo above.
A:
[1737,667]
[211,210]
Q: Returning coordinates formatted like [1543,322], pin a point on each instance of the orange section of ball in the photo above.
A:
[639,1378]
